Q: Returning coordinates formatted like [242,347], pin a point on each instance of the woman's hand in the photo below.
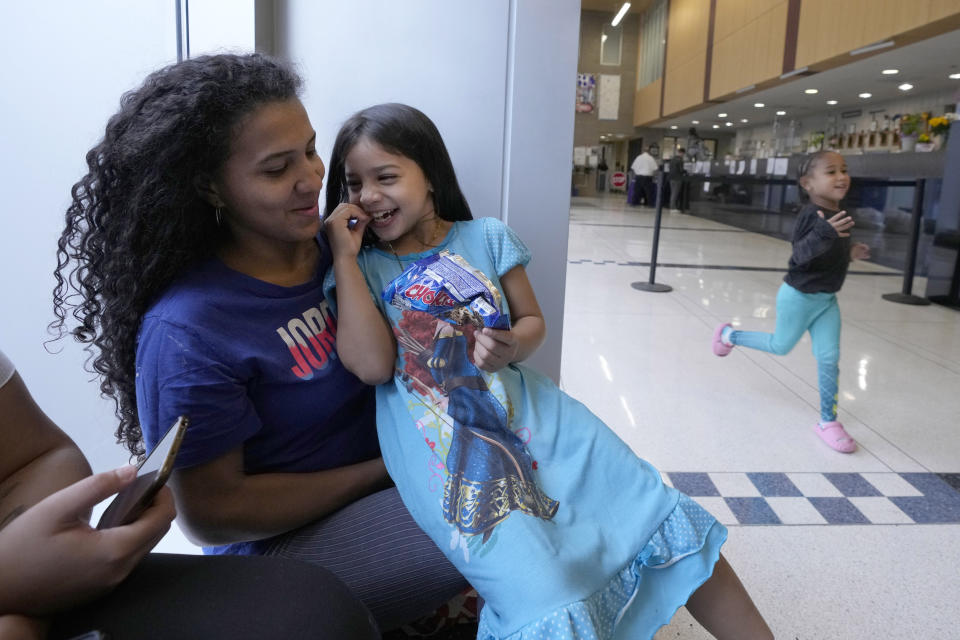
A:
[495,349]
[859,251]
[53,559]
[840,222]
[14,627]
[345,236]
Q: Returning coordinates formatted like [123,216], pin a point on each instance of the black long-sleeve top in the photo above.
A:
[820,257]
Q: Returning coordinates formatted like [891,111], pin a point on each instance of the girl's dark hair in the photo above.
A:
[806,166]
[405,131]
[137,220]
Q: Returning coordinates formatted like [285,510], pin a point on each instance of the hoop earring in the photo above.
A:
[218,215]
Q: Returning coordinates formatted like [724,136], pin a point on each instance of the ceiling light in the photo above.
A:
[781,113]
[744,120]
[831,102]
[759,105]
[866,95]
[810,91]
[890,72]
[729,124]
[673,126]
[955,76]
[716,126]
[906,86]
[721,115]
[872,47]
[623,11]
[695,121]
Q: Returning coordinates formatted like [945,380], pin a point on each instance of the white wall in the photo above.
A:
[540,121]
[497,78]
[219,26]
[66,65]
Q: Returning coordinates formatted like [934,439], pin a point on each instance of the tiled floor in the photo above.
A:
[830,546]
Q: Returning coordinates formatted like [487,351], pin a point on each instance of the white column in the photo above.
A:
[497,77]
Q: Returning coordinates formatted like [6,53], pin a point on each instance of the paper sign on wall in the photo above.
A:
[608,97]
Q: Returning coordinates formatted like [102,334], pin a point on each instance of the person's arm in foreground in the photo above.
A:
[51,557]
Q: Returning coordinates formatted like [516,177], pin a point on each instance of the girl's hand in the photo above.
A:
[840,222]
[344,240]
[494,349]
[859,251]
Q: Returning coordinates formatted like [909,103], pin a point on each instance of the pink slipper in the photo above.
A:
[836,437]
[720,348]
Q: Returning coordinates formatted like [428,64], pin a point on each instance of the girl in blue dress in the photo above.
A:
[559,526]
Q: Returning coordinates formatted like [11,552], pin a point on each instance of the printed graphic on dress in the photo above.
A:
[312,340]
[465,418]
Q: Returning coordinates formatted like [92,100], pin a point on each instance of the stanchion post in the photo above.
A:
[651,285]
[906,295]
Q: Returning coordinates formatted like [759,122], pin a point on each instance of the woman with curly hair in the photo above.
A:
[192,265]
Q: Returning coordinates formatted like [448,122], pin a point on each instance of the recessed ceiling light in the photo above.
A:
[716,126]
[673,126]
[781,113]
[744,120]
[810,91]
[955,76]
[831,102]
[759,105]
[695,121]
[866,95]
[729,124]
[721,115]
[890,72]
[906,86]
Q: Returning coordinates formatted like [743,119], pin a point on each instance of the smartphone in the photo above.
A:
[152,474]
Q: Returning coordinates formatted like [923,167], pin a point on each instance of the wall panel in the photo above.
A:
[829,28]
[749,48]
[686,54]
[646,103]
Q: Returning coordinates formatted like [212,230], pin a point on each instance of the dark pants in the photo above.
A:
[374,546]
[230,597]
[647,190]
[675,186]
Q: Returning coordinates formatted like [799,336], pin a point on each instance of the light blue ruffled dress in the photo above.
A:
[554,520]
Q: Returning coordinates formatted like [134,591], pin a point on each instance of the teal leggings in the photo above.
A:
[798,312]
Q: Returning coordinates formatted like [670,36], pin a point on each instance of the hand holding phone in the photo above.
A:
[53,560]
[152,474]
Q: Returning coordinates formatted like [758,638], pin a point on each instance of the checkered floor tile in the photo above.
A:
[824,498]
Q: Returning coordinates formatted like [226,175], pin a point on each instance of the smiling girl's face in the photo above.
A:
[393,190]
[826,181]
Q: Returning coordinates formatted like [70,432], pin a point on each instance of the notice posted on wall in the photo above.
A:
[779,166]
[609,97]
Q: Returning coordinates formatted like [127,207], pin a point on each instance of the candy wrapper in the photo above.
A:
[447,287]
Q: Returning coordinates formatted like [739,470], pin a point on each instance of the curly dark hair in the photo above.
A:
[403,130]
[137,220]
